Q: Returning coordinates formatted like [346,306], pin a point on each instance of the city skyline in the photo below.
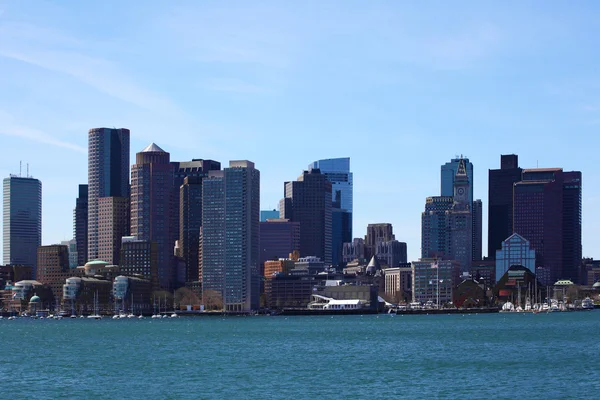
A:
[428,96]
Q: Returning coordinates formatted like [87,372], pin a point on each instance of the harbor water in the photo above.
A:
[507,355]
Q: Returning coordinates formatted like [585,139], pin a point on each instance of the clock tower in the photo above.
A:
[461,184]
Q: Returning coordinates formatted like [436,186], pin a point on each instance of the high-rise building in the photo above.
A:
[448,175]
[377,233]
[354,250]
[195,169]
[113,224]
[477,215]
[447,225]
[151,191]
[22,223]
[108,174]
[308,201]
[337,171]
[391,253]
[278,239]
[500,199]
[80,225]
[434,280]
[547,212]
[229,243]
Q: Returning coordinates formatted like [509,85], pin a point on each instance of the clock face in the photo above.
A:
[461,191]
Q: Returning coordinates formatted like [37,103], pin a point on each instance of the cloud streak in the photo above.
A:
[9,128]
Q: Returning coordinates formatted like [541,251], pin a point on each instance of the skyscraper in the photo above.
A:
[113,224]
[229,244]
[377,233]
[80,225]
[477,215]
[151,191]
[547,213]
[448,175]
[22,223]
[308,201]
[108,174]
[500,198]
[447,225]
[278,239]
[337,171]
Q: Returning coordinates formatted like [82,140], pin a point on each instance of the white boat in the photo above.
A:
[587,304]
[115,316]
[96,314]
[174,315]
[508,306]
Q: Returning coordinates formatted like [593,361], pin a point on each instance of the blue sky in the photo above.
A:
[400,87]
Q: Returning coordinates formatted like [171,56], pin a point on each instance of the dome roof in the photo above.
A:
[564,282]
[596,285]
[35,299]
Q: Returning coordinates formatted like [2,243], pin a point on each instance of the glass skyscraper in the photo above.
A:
[337,171]
[448,173]
[22,224]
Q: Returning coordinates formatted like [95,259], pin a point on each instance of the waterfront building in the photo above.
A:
[590,271]
[516,250]
[81,293]
[16,297]
[14,273]
[310,265]
[470,293]
[278,239]
[80,224]
[268,214]
[484,272]
[287,291]
[139,258]
[500,198]
[22,220]
[434,227]
[398,283]
[517,284]
[308,202]
[53,267]
[433,280]
[151,191]
[132,295]
[391,253]
[108,175]
[547,212]
[186,211]
[113,224]
[354,250]
[229,244]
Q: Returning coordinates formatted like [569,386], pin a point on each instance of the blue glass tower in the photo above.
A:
[448,172]
[337,171]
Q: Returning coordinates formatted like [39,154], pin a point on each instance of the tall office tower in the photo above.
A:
[337,171]
[229,244]
[113,224]
[108,174]
[278,239]
[460,221]
[377,233]
[500,198]
[477,215]
[547,213]
[80,217]
[197,168]
[446,224]
[448,175]
[190,222]
[22,223]
[151,191]
[308,201]
[434,227]
[139,257]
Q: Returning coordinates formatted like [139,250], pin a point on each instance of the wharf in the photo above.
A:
[432,311]
[306,311]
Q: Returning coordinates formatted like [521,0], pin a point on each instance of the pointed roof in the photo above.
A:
[374,263]
[153,148]
[462,168]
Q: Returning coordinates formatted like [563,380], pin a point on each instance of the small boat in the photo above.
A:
[116,316]
[174,315]
[587,304]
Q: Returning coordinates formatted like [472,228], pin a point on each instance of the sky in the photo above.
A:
[399,87]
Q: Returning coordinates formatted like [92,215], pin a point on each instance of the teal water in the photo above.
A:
[545,356]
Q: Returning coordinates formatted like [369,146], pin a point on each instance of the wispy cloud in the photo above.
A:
[59,52]
[9,128]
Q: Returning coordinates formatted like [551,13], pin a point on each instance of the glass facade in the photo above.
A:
[516,250]
[448,175]
[22,220]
